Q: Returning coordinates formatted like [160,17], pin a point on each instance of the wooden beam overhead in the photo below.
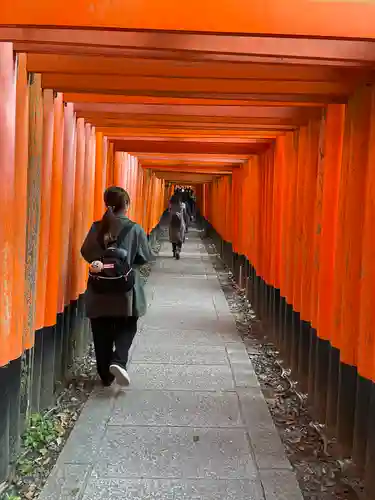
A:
[269,46]
[120,120]
[194,139]
[147,134]
[170,100]
[155,86]
[152,97]
[190,169]
[48,63]
[186,177]
[172,165]
[205,111]
[180,56]
[151,128]
[189,147]
[269,17]
[200,159]
[175,122]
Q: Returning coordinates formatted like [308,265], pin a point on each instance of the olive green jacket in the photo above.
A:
[139,253]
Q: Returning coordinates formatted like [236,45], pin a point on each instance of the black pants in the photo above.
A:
[177,246]
[108,333]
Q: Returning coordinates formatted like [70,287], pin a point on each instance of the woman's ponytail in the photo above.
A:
[105,226]
[116,200]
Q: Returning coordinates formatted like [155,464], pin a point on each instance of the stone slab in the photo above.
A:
[242,367]
[177,408]
[177,336]
[84,444]
[220,302]
[162,489]
[182,310]
[238,353]
[185,267]
[173,287]
[280,485]
[268,449]
[191,253]
[244,374]
[179,355]
[181,273]
[175,452]
[181,377]
[191,301]
[200,321]
[98,408]
[230,336]
[66,482]
[192,258]
[160,279]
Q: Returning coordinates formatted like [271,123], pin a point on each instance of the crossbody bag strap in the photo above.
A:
[124,232]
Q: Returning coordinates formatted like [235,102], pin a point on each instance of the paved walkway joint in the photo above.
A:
[194,423]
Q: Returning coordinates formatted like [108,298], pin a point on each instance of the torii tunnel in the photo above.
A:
[266,107]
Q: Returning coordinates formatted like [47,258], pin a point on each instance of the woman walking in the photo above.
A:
[115,248]
[177,224]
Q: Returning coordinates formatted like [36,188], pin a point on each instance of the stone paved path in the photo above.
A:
[193,425]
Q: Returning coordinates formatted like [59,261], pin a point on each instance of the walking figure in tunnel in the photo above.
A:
[115,248]
[177,224]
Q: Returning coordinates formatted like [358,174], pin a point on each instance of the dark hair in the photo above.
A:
[176,199]
[116,200]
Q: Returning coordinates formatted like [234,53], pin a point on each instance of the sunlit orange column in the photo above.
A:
[317,224]
[8,211]
[366,343]
[67,203]
[54,254]
[151,203]
[280,166]
[296,219]
[278,212]
[268,202]
[87,206]
[21,164]
[349,258]
[287,268]
[130,184]
[350,224]
[248,201]
[147,201]
[308,208]
[93,144]
[105,156]
[77,228]
[138,211]
[245,189]
[118,170]
[334,136]
[110,165]
[34,175]
[45,206]
[99,176]
[69,294]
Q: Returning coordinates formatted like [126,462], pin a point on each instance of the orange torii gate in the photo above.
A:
[267,107]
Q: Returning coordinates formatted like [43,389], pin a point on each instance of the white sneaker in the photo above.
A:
[120,374]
